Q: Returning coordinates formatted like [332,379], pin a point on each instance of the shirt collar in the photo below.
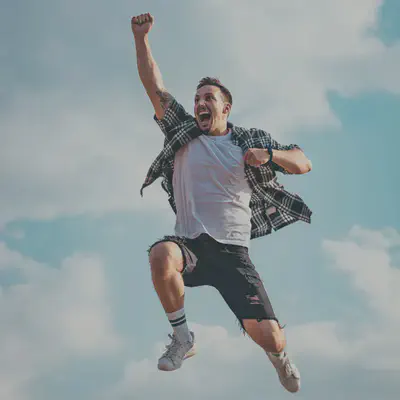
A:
[230,126]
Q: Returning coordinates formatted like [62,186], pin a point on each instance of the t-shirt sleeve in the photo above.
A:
[174,115]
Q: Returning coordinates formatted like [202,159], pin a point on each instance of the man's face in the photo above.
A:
[210,108]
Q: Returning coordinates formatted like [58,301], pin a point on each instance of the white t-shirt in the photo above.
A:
[211,191]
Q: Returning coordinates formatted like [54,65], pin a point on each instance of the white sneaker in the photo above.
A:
[176,352]
[288,373]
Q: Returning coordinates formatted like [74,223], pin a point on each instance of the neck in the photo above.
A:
[219,131]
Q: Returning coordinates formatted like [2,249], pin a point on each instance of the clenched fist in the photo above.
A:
[256,157]
[142,24]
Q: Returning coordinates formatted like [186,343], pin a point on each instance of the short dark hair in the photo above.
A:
[215,82]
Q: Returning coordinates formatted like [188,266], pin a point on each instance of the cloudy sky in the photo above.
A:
[78,316]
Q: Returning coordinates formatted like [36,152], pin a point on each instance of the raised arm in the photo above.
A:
[149,72]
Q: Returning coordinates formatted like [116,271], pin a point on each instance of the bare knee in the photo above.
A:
[267,334]
[165,258]
[274,342]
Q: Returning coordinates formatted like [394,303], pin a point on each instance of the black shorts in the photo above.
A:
[228,269]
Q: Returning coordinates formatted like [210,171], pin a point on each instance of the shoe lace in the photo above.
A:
[172,348]
[288,369]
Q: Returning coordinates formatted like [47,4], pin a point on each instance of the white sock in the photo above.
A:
[278,355]
[178,322]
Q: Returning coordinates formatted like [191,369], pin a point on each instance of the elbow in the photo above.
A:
[303,167]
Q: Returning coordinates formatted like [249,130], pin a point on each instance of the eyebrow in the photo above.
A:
[205,94]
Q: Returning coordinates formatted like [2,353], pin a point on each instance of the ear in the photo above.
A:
[227,108]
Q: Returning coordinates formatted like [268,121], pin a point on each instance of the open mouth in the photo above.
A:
[204,117]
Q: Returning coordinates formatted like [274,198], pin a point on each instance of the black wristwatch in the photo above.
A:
[269,148]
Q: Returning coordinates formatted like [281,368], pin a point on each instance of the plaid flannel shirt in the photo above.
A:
[272,207]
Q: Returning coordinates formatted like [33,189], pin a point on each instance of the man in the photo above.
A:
[221,182]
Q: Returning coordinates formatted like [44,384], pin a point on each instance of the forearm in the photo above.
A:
[148,70]
[294,161]
[149,73]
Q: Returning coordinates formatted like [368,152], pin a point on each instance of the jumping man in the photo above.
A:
[221,183]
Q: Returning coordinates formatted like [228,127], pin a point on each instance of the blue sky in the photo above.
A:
[78,315]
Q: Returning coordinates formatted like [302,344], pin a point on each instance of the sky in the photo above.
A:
[78,315]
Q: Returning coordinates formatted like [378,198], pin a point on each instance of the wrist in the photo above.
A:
[269,153]
[141,38]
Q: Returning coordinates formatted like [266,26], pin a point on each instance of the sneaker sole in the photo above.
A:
[191,352]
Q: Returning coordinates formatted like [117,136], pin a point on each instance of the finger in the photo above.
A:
[249,155]
[146,18]
[249,158]
[253,162]
[256,162]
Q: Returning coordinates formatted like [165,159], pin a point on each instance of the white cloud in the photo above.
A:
[285,56]
[228,363]
[203,376]
[365,257]
[75,149]
[49,317]
[69,156]
[319,339]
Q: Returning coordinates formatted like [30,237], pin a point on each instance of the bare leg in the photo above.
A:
[166,263]
[269,336]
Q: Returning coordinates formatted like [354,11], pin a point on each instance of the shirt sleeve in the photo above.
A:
[174,115]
